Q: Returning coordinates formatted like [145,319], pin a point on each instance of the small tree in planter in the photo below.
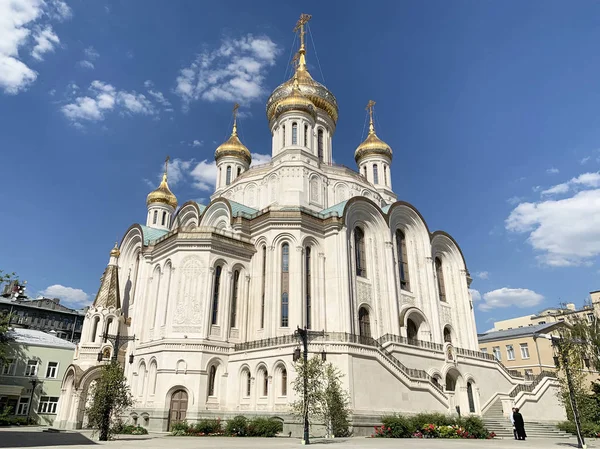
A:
[335,403]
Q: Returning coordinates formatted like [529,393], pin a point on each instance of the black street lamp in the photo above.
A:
[303,335]
[33,383]
[561,358]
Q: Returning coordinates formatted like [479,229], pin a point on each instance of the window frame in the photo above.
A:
[285,285]
[48,367]
[23,403]
[48,405]
[216,294]
[28,372]
[228,175]
[402,255]
[497,353]
[294,133]
[360,259]
[510,352]
[320,144]
[8,367]
[375,174]
[525,351]
[234,299]
[212,376]
[284,389]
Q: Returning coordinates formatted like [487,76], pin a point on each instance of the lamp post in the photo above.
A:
[303,335]
[117,341]
[561,357]
[33,383]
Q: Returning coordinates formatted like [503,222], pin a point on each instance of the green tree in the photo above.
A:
[110,398]
[5,337]
[326,400]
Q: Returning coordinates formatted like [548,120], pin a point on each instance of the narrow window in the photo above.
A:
[439,272]
[164,218]
[510,352]
[264,282]
[215,309]
[283,382]
[402,260]
[365,171]
[52,370]
[294,134]
[285,276]
[385,181]
[447,335]
[375,174]
[320,144]
[234,298]
[306,136]
[228,175]
[265,383]
[155,218]
[283,135]
[248,383]
[364,322]
[308,286]
[359,248]
[524,351]
[239,171]
[211,380]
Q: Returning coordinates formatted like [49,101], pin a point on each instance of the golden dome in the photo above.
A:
[233,147]
[318,94]
[115,252]
[163,194]
[372,145]
[296,101]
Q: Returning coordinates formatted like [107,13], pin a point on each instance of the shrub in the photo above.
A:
[180,428]
[396,426]
[439,419]
[474,425]
[431,425]
[207,427]
[237,427]
[132,430]
[590,430]
[264,427]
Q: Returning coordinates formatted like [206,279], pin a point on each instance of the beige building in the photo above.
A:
[554,314]
[527,349]
[30,381]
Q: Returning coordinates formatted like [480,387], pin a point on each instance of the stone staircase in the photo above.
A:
[496,422]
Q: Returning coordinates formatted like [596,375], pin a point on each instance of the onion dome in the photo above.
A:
[372,145]
[163,194]
[319,95]
[233,146]
[296,101]
[115,252]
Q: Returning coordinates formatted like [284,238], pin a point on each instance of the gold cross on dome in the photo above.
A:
[167,164]
[304,18]
[369,108]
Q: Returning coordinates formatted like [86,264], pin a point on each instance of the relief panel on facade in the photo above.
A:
[188,309]
[364,291]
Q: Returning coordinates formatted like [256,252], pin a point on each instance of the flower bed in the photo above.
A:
[432,425]
[236,427]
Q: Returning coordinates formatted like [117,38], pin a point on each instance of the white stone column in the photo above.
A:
[245,309]
[271,295]
[208,294]
[393,293]
[319,301]
[225,304]
[297,285]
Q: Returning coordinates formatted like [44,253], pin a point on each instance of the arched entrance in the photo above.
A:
[470,397]
[178,407]
[412,331]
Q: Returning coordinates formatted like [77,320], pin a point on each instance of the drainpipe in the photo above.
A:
[537,348]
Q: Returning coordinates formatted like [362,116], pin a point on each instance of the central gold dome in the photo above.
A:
[163,194]
[233,147]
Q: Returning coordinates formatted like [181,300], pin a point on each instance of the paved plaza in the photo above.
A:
[32,438]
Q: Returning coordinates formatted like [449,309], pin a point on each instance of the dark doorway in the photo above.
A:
[471,398]
[178,408]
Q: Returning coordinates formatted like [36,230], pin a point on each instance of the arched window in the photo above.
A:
[234,298]
[215,308]
[450,382]
[359,248]
[402,260]
[152,377]
[239,171]
[439,273]
[155,218]
[385,181]
[94,333]
[265,382]
[283,382]
[365,171]
[294,134]
[264,285]
[248,383]
[375,174]
[164,218]
[107,329]
[283,135]
[307,256]
[228,175]
[306,136]
[212,374]
[285,282]
[412,330]
[470,397]
[364,322]
[447,335]
[320,144]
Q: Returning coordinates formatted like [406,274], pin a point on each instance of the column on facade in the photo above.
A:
[432,294]
[245,311]
[393,288]
[271,295]
[297,301]
[225,304]
[347,293]
[320,300]
[208,295]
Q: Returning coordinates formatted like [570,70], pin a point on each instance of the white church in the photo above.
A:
[212,294]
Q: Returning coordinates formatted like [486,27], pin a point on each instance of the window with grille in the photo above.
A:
[320,144]
[263,289]
[307,258]
[283,382]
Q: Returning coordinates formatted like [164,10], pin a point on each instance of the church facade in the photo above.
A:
[213,293]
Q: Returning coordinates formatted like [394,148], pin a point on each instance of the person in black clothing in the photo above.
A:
[519,425]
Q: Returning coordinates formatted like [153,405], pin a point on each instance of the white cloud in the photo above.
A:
[204,175]
[475,295]
[233,72]
[258,159]
[584,180]
[73,297]
[552,171]
[90,55]
[105,98]
[45,40]
[158,96]
[585,160]
[25,23]
[565,232]
[197,143]
[514,200]
[510,297]
[482,275]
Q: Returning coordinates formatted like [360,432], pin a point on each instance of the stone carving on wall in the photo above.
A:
[446,314]
[341,193]
[314,190]
[249,197]
[188,308]
[364,291]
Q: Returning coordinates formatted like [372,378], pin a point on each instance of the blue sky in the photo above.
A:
[491,109]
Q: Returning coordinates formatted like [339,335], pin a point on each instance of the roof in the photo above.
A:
[201,207]
[514,333]
[385,209]
[151,234]
[38,305]
[238,208]
[38,338]
[335,209]
[108,293]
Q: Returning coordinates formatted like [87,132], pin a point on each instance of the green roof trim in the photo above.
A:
[151,234]
[386,208]
[239,209]
[201,207]
[333,210]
